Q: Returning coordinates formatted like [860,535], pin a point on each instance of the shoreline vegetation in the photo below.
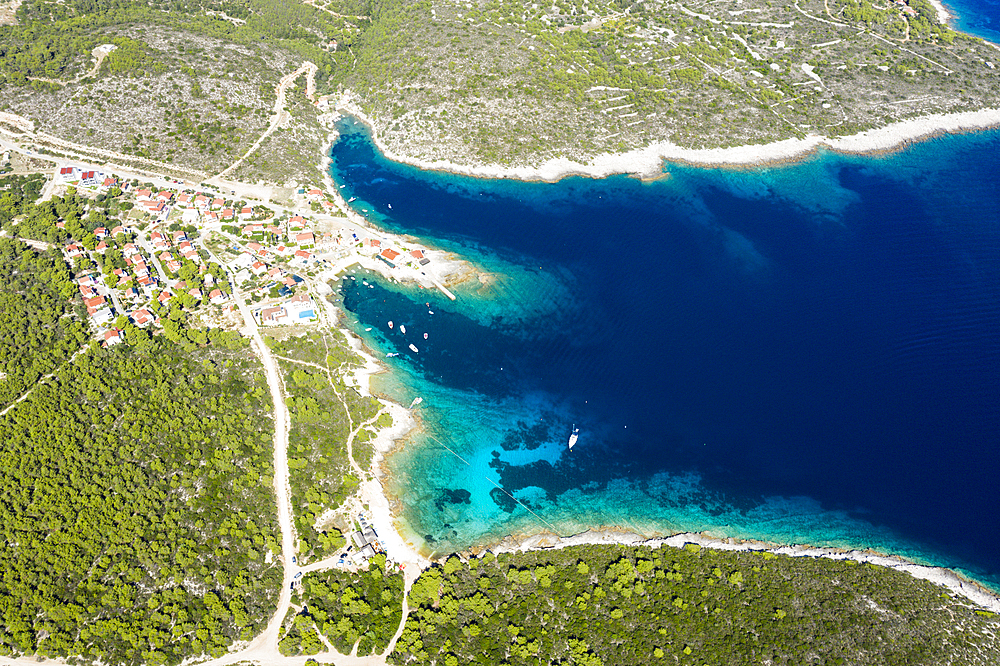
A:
[650,162]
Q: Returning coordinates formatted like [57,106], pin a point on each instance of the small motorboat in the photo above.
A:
[425,336]
[414,349]
[402,329]
[390,323]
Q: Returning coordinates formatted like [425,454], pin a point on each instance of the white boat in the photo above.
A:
[390,206]
[351,199]
[368,329]
[402,329]
[574,436]
[414,348]
[416,401]
[425,336]
[392,354]
[390,323]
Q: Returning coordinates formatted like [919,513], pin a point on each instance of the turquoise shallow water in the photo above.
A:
[800,354]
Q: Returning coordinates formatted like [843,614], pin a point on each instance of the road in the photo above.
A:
[280,114]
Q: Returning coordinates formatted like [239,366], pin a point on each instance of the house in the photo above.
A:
[218,203]
[88,280]
[148,283]
[314,193]
[91,178]
[130,249]
[164,196]
[196,292]
[121,273]
[305,238]
[164,296]
[68,173]
[112,336]
[94,303]
[257,249]
[296,221]
[87,291]
[143,195]
[73,251]
[60,225]
[252,228]
[154,207]
[246,214]
[101,233]
[258,268]
[142,316]
[184,198]
[228,214]
[304,255]
[101,247]
[202,202]
[165,256]
[300,308]
[417,254]
[216,297]
[389,254]
[211,217]
[374,242]
[272,315]
[274,273]
[180,236]
[159,240]
[118,230]
[131,293]
[109,182]
[174,266]
[102,317]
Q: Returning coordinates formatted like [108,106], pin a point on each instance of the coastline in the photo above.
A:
[947,578]
[648,163]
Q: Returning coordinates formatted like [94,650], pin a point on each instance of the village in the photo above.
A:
[197,247]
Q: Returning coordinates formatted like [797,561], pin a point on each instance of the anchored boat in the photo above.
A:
[575,435]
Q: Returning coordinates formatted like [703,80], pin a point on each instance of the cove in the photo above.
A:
[804,353]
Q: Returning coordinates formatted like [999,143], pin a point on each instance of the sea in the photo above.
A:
[806,353]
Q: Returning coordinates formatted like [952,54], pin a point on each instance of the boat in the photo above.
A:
[390,323]
[414,348]
[392,354]
[368,329]
[390,206]
[574,436]
[402,329]
[430,312]
[351,199]
[416,401]
[425,336]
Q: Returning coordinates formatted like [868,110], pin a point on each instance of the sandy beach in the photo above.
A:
[372,492]
[648,162]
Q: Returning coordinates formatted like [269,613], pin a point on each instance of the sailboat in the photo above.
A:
[574,436]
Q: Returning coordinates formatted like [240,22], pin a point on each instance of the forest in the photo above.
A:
[37,333]
[621,605]
[347,608]
[137,521]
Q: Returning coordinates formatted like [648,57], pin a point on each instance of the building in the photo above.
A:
[216,297]
[112,337]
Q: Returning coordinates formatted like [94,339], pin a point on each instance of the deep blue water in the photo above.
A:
[807,353]
[978,17]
